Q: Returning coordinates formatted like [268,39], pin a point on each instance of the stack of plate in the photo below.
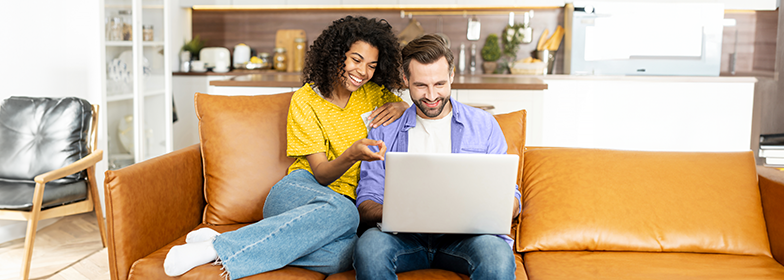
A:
[121,68]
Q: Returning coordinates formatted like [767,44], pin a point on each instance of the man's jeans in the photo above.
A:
[305,224]
[380,255]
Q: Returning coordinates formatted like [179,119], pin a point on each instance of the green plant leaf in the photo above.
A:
[491,51]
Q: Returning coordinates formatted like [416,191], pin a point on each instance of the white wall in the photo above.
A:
[51,48]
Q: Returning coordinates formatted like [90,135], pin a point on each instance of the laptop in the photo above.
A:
[449,193]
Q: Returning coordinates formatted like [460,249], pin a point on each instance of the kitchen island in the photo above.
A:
[615,112]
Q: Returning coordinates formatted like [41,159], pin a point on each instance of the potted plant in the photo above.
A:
[193,47]
[514,35]
[491,52]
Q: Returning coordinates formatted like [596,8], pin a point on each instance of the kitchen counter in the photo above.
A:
[235,72]
[506,82]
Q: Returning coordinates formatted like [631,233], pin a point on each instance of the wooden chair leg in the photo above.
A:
[32,225]
[97,204]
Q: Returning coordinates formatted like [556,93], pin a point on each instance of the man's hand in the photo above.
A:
[516,208]
[359,151]
[388,113]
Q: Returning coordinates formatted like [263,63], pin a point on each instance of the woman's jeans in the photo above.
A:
[305,224]
[381,255]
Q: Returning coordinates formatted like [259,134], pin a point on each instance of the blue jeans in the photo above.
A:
[380,255]
[305,224]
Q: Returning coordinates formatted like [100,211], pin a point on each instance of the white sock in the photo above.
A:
[201,235]
[182,258]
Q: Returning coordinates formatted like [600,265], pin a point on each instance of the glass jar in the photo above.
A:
[147,33]
[115,29]
[299,54]
[265,61]
[127,33]
[279,59]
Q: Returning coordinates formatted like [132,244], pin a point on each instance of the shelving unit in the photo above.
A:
[140,100]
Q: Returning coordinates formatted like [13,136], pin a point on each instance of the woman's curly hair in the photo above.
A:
[326,59]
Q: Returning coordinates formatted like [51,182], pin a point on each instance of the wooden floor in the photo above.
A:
[68,249]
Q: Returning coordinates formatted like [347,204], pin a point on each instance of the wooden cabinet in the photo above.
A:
[136,81]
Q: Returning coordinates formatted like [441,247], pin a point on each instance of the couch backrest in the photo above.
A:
[41,134]
[606,200]
[243,142]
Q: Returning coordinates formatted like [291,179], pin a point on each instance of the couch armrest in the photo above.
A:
[771,183]
[150,204]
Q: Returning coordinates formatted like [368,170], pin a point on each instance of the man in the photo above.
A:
[436,123]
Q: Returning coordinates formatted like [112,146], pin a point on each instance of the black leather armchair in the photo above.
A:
[47,162]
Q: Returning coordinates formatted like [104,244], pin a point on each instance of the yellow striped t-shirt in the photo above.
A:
[316,125]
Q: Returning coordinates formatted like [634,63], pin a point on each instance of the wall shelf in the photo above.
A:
[110,97]
[130,43]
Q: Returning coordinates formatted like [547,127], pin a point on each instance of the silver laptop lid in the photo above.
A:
[449,193]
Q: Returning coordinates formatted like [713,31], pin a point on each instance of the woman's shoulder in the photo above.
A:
[374,91]
[306,93]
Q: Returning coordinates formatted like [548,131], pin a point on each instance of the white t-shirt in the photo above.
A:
[431,136]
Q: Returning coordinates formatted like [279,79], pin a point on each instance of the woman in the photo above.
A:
[310,219]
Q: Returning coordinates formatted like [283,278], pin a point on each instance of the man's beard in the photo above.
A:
[431,112]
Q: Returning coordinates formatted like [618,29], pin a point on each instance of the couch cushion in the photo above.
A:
[18,195]
[151,267]
[637,265]
[513,126]
[243,142]
[606,200]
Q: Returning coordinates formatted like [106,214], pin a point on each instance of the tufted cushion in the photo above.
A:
[243,142]
[606,200]
[38,135]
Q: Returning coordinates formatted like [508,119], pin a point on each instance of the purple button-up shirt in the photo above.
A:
[473,131]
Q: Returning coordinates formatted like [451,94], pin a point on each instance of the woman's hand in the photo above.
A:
[388,113]
[359,151]
[327,171]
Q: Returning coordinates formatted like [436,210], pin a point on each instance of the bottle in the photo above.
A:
[461,60]
[472,65]
[279,60]
[299,54]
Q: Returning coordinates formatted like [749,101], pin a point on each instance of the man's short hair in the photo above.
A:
[426,49]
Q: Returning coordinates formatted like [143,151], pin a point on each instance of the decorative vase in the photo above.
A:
[489,66]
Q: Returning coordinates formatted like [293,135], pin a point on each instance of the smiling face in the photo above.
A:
[430,86]
[361,61]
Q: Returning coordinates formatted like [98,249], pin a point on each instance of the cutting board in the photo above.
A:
[284,38]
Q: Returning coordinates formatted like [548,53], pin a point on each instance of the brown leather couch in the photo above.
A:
[587,213]
[606,214]
[221,183]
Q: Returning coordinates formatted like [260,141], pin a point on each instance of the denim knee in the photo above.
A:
[492,258]
[345,212]
[374,250]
